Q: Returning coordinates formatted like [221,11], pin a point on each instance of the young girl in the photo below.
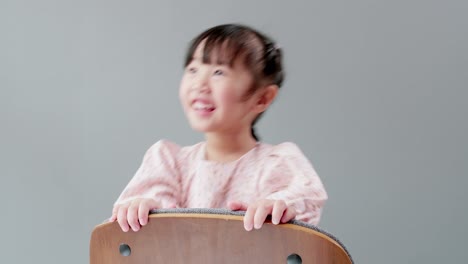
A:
[232,75]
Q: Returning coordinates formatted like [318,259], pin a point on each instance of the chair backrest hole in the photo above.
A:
[125,250]
[294,259]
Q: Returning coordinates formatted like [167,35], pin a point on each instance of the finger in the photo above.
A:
[122,218]
[289,214]
[279,208]
[114,213]
[143,213]
[249,217]
[262,212]
[146,207]
[237,206]
[132,215]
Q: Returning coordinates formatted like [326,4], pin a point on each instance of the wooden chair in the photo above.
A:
[218,236]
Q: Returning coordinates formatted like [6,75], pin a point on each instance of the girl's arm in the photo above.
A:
[293,179]
[156,184]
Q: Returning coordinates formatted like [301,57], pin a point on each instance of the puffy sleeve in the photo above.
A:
[292,178]
[157,177]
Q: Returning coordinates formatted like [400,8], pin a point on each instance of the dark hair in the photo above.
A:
[257,52]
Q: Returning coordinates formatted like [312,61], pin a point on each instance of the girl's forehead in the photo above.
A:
[221,53]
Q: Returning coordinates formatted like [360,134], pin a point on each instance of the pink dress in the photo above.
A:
[181,177]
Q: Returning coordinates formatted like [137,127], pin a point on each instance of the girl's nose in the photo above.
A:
[201,84]
[204,88]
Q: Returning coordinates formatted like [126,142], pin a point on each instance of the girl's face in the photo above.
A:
[213,95]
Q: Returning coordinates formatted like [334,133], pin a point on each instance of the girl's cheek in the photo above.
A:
[184,84]
[183,92]
[227,98]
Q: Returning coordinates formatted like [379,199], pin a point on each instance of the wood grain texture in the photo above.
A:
[211,238]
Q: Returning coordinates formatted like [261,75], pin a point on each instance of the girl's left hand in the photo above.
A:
[256,213]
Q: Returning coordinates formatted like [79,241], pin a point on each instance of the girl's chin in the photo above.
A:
[201,128]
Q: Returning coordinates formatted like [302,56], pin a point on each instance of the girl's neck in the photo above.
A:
[227,147]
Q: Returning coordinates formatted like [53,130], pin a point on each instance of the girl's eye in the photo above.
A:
[191,69]
[219,72]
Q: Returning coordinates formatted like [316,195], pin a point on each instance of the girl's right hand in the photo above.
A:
[134,213]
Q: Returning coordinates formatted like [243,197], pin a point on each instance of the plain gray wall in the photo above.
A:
[376,97]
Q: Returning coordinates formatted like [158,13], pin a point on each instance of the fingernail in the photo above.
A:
[258,226]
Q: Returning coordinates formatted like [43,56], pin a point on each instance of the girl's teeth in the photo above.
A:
[202,106]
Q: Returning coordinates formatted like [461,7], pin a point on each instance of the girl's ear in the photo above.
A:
[266,97]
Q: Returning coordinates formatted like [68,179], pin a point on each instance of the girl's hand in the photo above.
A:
[256,213]
[134,213]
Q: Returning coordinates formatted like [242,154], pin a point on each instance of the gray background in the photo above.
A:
[375,96]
